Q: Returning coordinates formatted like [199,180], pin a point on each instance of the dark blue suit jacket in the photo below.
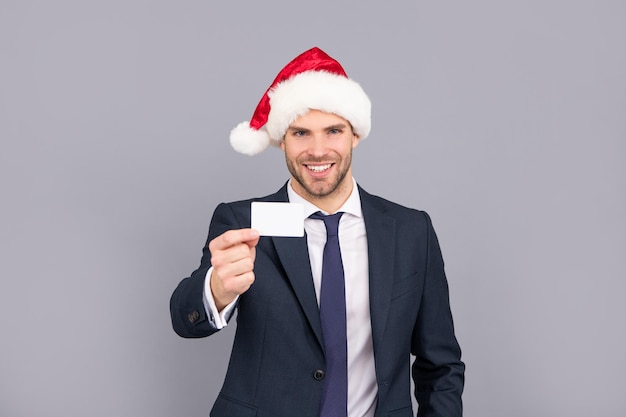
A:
[278,343]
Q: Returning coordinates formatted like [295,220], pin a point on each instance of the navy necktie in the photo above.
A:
[333,318]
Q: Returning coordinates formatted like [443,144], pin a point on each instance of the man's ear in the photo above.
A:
[355,140]
[282,144]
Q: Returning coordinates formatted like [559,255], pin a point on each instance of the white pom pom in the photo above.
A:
[248,141]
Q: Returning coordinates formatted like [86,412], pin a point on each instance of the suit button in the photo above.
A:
[318,375]
[193,316]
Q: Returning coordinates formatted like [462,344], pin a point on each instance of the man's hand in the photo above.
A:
[232,257]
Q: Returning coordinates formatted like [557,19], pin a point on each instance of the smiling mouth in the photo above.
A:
[319,168]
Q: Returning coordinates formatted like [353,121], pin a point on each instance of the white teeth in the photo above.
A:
[318,168]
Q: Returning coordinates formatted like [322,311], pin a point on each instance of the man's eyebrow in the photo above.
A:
[336,126]
[331,127]
[297,128]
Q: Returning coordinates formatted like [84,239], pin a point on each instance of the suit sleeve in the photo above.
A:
[189,317]
[438,371]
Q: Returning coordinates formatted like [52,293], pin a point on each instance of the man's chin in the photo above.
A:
[319,189]
[319,192]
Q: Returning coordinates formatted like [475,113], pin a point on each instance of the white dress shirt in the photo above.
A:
[362,386]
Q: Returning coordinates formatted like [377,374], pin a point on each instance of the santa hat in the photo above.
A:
[313,80]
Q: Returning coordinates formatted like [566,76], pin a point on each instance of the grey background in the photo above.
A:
[505,120]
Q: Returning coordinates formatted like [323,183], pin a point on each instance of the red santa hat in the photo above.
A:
[313,80]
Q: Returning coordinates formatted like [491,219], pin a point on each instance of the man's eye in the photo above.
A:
[299,133]
[334,131]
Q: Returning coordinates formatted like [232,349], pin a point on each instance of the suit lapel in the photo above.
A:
[381,234]
[294,257]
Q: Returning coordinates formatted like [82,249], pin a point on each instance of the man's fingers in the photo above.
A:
[233,269]
[234,237]
[253,242]
[232,257]
[231,254]
[239,284]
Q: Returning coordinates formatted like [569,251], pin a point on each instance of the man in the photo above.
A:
[326,323]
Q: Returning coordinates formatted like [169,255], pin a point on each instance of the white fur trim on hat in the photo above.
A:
[318,90]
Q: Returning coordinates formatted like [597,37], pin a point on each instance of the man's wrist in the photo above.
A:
[218,316]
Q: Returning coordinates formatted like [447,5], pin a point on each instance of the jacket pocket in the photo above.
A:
[225,407]
[402,412]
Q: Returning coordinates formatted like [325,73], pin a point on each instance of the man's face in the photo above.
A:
[318,150]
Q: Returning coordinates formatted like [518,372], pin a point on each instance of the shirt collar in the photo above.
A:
[351,206]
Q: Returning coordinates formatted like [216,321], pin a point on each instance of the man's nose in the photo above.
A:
[319,145]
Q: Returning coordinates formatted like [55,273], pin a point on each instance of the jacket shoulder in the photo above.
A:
[391,208]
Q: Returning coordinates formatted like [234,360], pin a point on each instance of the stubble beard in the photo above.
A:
[318,189]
